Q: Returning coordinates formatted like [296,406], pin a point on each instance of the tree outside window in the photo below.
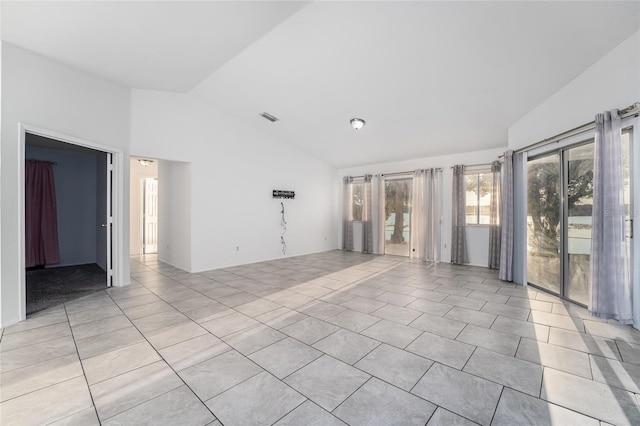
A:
[478,198]
[398,204]
[357,196]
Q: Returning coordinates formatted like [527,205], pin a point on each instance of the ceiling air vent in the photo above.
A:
[269,117]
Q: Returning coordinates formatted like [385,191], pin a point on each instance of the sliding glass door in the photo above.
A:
[397,210]
[559,218]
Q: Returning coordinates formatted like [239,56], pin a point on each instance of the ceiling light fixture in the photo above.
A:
[144,162]
[357,123]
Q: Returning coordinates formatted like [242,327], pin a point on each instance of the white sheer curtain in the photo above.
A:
[375,212]
[611,295]
[347,213]
[425,217]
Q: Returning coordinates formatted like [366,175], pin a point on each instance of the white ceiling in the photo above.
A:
[430,78]
[163,45]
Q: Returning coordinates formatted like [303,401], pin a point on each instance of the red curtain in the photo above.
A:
[41,221]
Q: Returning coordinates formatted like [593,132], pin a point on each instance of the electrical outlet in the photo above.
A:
[445,246]
[325,238]
[237,248]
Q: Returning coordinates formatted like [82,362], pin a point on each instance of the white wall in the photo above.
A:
[477,237]
[138,172]
[234,168]
[612,82]
[174,213]
[51,96]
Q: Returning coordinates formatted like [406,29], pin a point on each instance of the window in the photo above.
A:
[478,197]
[357,192]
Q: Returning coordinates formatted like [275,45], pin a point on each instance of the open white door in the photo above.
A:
[109,222]
[104,248]
[150,216]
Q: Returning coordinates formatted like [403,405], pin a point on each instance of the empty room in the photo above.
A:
[320,213]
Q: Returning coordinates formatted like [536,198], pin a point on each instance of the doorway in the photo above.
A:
[67,221]
[397,210]
[144,206]
[559,218]
[114,178]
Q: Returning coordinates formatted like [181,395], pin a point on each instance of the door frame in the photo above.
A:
[383,202]
[117,193]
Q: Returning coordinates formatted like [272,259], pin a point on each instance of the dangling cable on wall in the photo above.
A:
[290,195]
[283,225]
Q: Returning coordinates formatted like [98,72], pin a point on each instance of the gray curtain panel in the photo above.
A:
[494,216]
[610,283]
[367,222]
[506,219]
[458,237]
[519,248]
[347,213]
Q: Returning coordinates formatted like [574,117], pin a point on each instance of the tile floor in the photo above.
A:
[326,339]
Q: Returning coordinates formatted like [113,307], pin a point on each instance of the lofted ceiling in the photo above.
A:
[161,45]
[430,78]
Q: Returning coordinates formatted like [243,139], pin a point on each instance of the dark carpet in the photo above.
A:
[53,286]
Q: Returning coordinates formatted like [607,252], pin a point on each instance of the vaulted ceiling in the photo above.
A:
[429,78]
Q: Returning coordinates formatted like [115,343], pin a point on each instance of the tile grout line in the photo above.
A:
[559,405]
[357,333]
[422,377]
[495,409]
[317,299]
[296,407]
[167,364]
[39,362]
[47,387]
[142,403]
[351,394]
[263,370]
[86,381]
[33,344]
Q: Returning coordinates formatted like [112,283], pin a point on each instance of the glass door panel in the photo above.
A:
[543,222]
[579,190]
[397,208]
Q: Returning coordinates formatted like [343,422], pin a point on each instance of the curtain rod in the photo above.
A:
[43,161]
[437,169]
[633,109]
[474,165]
